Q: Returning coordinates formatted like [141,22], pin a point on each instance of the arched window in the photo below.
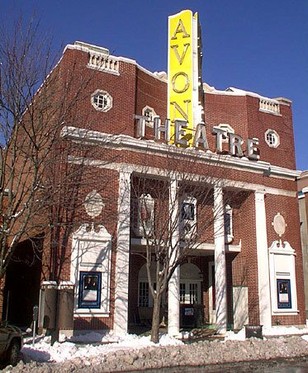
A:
[190,284]
[149,113]
[228,224]
[227,128]
[144,218]
[188,218]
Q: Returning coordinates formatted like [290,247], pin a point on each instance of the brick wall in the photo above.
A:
[132,90]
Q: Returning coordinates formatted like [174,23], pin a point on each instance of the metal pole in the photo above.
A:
[35,317]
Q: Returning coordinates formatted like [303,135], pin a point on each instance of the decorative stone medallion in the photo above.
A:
[279,224]
[93,204]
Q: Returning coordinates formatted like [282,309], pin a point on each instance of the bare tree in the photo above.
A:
[174,215]
[36,100]
[24,62]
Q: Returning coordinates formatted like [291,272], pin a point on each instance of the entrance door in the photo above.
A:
[145,300]
[22,285]
[190,296]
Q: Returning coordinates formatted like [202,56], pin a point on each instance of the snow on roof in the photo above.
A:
[241,92]
[86,47]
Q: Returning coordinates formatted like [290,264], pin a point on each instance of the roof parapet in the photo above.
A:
[90,47]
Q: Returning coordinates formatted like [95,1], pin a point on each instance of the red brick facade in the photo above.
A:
[104,159]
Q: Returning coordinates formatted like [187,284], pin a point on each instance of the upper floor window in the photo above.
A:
[227,128]
[272,138]
[228,224]
[188,211]
[144,218]
[101,100]
[149,113]
[188,218]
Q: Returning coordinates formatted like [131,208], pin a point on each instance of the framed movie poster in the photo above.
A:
[90,290]
[284,293]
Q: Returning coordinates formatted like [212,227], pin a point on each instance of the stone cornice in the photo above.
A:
[129,143]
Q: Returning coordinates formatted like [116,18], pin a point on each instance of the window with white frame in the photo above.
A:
[272,138]
[228,216]
[101,100]
[182,292]
[149,113]
[227,128]
[188,217]
[190,284]
[144,215]
[189,292]
[145,298]
[188,211]
[143,294]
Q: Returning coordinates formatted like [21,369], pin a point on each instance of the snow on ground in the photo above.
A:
[93,344]
[269,332]
[240,336]
[88,345]
[284,330]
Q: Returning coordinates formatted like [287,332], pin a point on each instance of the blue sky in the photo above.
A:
[256,45]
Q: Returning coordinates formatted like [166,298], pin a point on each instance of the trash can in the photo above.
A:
[66,306]
[253,331]
[47,305]
[187,316]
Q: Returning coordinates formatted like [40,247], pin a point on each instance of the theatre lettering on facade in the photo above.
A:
[171,130]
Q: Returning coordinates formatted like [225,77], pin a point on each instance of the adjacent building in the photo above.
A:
[303,211]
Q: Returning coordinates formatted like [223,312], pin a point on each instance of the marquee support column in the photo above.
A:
[122,255]
[220,261]
[174,283]
[263,263]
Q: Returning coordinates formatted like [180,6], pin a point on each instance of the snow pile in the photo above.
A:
[240,336]
[89,345]
[284,330]
[137,353]
[96,344]
[268,332]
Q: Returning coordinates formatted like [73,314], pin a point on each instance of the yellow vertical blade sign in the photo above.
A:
[181,92]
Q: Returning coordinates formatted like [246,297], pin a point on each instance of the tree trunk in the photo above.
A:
[156,319]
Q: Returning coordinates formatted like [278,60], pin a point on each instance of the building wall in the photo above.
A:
[132,88]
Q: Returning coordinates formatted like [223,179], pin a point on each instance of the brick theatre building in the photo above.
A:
[168,160]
